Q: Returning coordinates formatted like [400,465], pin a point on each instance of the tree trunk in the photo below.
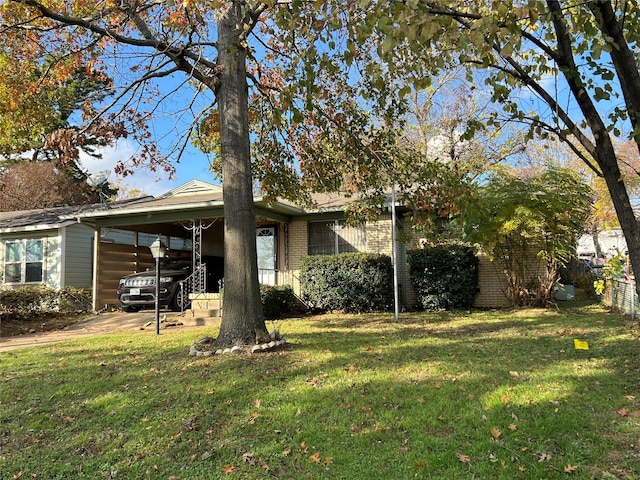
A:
[242,315]
[604,151]
[628,75]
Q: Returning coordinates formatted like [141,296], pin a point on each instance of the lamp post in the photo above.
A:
[158,251]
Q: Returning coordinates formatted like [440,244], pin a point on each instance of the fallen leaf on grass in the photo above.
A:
[303,447]
[623,412]
[228,469]
[570,468]
[463,458]
[328,460]
[286,453]
[315,458]
[513,427]
[544,457]
[495,433]
[252,420]
[256,403]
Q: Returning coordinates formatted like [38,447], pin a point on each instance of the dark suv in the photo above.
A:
[137,291]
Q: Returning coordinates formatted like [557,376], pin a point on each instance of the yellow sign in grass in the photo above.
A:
[580,344]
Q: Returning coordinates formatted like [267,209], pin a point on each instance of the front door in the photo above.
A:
[266,246]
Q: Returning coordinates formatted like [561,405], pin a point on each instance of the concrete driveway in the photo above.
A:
[100,323]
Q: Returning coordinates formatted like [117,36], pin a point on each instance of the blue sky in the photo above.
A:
[193,165]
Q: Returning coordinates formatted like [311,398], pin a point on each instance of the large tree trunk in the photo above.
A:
[242,314]
[604,151]
[628,75]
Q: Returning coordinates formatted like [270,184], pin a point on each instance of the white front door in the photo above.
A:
[266,246]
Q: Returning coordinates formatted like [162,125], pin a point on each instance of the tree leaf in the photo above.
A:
[228,469]
[463,458]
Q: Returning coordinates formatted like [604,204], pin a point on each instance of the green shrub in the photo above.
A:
[444,277]
[276,301]
[33,301]
[585,281]
[350,282]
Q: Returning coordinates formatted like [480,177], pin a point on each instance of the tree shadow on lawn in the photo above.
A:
[407,393]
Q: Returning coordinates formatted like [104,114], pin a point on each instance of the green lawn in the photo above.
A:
[482,395]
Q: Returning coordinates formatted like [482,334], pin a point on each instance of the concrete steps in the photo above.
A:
[206,310]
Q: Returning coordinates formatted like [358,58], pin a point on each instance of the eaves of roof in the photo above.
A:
[159,210]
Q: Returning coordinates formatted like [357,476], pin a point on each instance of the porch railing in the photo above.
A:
[194,283]
[282,277]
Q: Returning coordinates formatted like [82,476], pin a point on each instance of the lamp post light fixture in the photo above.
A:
[158,251]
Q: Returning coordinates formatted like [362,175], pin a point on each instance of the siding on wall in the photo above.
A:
[78,256]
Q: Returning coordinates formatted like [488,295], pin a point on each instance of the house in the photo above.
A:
[601,245]
[39,247]
[189,219]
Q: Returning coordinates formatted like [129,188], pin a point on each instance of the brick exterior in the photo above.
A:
[491,281]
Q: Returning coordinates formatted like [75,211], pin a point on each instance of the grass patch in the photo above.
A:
[500,394]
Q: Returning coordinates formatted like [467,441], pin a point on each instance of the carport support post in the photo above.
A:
[158,250]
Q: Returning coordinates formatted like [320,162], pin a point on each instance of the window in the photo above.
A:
[23,261]
[328,238]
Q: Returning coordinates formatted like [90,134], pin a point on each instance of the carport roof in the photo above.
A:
[191,201]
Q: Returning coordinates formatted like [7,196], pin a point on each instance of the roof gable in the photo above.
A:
[193,187]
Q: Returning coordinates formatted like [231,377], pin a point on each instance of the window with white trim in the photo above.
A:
[333,236]
[23,261]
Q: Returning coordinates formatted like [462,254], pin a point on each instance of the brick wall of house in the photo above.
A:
[491,281]
[298,243]
[379,236]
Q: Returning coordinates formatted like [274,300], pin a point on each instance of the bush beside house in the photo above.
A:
[277,301]
[444,277]
[349,282]
[38,301]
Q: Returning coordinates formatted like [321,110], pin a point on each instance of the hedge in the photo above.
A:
[349,282]
[276,301]
[31,301]
[444,277]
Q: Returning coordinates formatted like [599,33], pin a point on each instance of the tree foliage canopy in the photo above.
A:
[37,185]
[520,218]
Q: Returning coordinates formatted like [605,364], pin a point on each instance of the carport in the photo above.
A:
[189,219]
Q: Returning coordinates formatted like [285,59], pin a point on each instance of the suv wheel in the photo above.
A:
[180,302]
